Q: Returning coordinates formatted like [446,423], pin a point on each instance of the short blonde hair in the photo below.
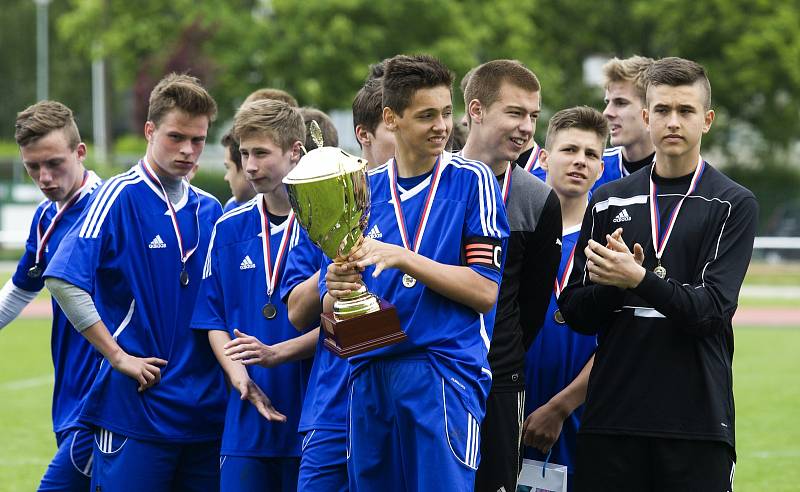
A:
[275,119]
[42,118]
[628,70]
[270,93]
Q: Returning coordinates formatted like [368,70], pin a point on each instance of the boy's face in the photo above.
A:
[175,144]
[677,118]
[265,163]
[237,179]
[425,125]
[506,127]
[381,144]
[624,114]
[574,161]
[53,166]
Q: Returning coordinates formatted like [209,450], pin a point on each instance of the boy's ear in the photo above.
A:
[390,119]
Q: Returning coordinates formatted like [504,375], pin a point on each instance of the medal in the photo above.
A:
[533,160]
[269,311]
[185,255]
[43,237]
[660,238]
[559,317]
[438,168]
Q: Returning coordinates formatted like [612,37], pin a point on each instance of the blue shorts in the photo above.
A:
[71,467]
[409,429]
[323,466]
[253,474]
[125,464]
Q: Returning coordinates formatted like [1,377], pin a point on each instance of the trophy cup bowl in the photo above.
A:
[330,196]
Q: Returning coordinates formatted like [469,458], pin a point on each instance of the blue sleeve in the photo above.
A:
[323,287]
[486,226]
[302,262]
[209,310]
[89,244]
[20,277]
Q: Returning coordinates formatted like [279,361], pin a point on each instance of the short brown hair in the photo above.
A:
[330,137]
[182,92]
[580,117]
[368,106]
[233,148]
[628,70]
[275,119]
[485,82]
[38,120]
[675,71]
[270,93]
[404,75]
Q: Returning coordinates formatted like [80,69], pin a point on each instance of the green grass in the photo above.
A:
[766,387]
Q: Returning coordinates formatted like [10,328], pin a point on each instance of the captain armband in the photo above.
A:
[482,251]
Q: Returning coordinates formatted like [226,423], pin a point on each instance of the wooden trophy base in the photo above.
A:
[363,333]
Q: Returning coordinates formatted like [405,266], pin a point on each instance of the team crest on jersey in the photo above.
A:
[375,233]
[157,243]
[622,216]
[247,263]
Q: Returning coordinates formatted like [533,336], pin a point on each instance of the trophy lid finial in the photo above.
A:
[316,133]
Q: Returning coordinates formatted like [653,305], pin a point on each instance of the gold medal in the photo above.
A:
[559,317]
[409,281]
[660,271]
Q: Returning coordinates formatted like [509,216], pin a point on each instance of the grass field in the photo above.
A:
[766,371]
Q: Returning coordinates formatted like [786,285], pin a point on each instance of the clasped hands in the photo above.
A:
[614,264]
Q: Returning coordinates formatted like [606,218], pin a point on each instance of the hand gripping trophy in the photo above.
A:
[330,196]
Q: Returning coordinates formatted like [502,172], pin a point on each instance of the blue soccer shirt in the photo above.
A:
[325,404]
[459,207]
[232,295]
[124,251]
[75,362]
[554,360]
[613,167]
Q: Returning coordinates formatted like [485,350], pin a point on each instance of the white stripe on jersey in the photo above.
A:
[488,210]
[620,202]
[484,334]
[125,321]
[247,206]
[100,207]
[102,195]
[383,167]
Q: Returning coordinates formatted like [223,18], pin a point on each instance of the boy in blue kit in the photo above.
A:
[240,299]
[558,363]
[127,276]
[53,154]
[415,408]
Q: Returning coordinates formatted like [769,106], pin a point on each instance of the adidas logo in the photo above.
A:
[622,216]
[247,263]
[375,233]
[558,242]
[157,243]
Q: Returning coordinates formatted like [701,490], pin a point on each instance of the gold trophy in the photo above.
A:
[330,195]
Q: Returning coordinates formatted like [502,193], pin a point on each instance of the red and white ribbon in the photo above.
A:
[533,159]
[185,255]
[43,237]
[270,270]
[660,238]
[438,168]
[507,182]
[560,284]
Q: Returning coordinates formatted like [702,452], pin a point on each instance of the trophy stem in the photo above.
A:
[355,304]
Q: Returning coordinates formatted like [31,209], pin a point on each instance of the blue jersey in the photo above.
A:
[231,204]
[613,167]
[465,204]
[531,162]
[325,405]
[233,293]
[75,361]
[124,251]
[554,360]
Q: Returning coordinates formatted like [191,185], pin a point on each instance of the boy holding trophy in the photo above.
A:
[435,250]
